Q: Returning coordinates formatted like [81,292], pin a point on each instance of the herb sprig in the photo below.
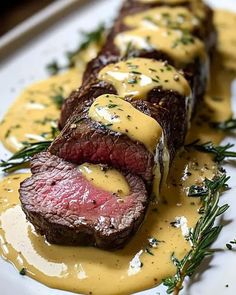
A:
[202,236]
[220,152]
[95,36]
[20,159]
[227,125]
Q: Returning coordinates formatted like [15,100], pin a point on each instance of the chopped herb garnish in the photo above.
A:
[135,72]
[10,130]
[112,105]
[155,80]
[185,39]
[22,271]
[58,97]
[147,250]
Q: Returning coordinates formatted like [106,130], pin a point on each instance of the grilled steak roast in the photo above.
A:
[59,201]
[68,209]
[195,72]
[89,141]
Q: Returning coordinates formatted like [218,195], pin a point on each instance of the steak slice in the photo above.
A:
[83,140]
[196,73]
[69,210]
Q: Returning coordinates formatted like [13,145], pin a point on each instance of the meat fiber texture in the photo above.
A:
[68,209]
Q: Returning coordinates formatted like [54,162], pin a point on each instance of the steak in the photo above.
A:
[69,210]
[196,72]
[59,201]
[89,141]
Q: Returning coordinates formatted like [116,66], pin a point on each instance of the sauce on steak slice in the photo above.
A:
[69,209]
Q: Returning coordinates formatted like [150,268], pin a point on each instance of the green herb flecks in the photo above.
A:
[58,97]
[185,39]
[22,271]
[7,134]
[220,152]
[202,236]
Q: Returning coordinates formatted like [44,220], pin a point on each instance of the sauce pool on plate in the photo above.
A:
[145,260]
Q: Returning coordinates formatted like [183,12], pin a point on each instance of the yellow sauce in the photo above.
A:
[92,271]
[119,115]
[35,111]
[137,76]
[164,16]
[180,46]
[108,179]
[197,6]
[226,22]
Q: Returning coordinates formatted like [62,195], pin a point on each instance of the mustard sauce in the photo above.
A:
[108,179]
[135,77]
[164,16]
[35,112]
[89,270]
[198,6]
[180,46]
[119,115]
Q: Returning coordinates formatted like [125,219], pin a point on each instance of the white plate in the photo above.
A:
[26,64]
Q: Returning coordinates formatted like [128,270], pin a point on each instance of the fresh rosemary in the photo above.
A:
[95,36]
[202,236]
[219,152]
[20,159]
[228,125]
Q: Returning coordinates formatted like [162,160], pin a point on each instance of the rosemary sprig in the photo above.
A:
[95,36]
[202,236]
[220,152]
[228,125]
[21,158]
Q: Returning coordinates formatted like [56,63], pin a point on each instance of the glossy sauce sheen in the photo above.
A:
[136,77]
[197,6]
[120,116]
[180,46]
[108,179]
[35,111]
[92,271]
[164,16]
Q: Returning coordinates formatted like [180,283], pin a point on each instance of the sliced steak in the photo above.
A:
[83,140]
[196,72]
[68,209]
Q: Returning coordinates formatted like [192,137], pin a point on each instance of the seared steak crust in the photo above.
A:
[69,210]
[196,72]
[83,140]
[53,198]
